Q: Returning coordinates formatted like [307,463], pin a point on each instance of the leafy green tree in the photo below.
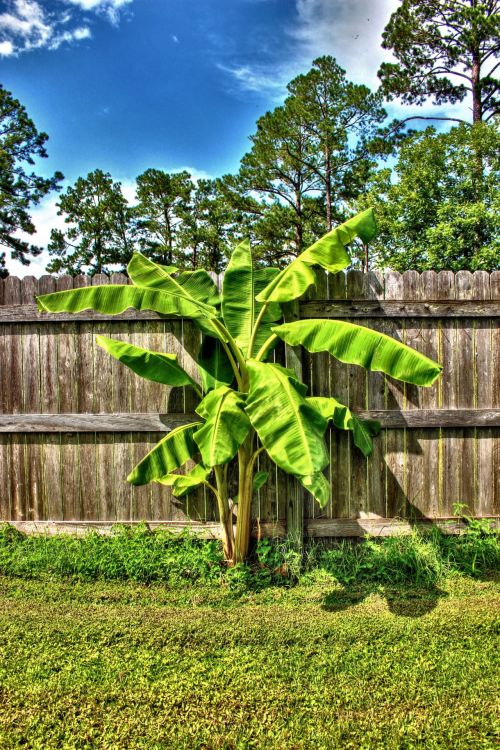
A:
[99,227]
[209,227]
[248,404]
[432,216]
[162,206]
[277,172]
[445,49]
[20,188]
[342,121]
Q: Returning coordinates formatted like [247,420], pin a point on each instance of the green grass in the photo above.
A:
[140,555]
[129,666]
[144,640]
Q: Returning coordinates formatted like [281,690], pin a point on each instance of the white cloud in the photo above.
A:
[33,24]
[350,31]
[6,49]
[175,38]
[44,218]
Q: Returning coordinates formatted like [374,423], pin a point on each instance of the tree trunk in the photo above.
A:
[328,189]
[477,107]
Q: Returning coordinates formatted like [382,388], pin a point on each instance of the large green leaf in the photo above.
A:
[343,419]
[226,426]
[290,430]
[358,345]
[318,486]
[170,453]
[183,484]
[213,364]
[156,366]
[329,252]
[196,288]
[112,299]
[242,282]
[200,285]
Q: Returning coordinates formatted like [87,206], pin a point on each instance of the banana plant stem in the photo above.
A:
[255,328]
[265,346]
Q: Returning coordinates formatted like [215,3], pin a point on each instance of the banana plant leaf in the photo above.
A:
[196,287]
[242,282]
[113,299]
[329,252]
[225,428]
[200,285]
[156,366]
[259,480]
[183,484]
[290,430]
[362,346]
[343,419]
[318,486]
[170,453]
[213,365]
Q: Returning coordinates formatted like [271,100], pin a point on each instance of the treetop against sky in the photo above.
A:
[124,85]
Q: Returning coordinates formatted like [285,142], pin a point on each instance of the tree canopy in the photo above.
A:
[20,186]
[435,215]
[447,50]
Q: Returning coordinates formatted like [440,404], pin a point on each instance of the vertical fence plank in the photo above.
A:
[340,441]
[51,487]
[448,464]
[466,389]
[15,402]
[31,390]
[415,491]
[429,399]
[358,396]
[495,345]
[483,396]
[394,397]
[375,503]
[103,385]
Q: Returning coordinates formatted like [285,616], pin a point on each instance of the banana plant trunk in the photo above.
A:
[245,485]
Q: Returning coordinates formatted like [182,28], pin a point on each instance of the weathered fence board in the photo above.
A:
[73,421]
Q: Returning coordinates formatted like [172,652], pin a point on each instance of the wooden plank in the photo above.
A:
[14,401]
[429,400]
[351,308]
[317,528]
[357,287]
[466,394]
[383,527]
[495,345]
[340,441]
[400,308]
[483,346]
[375,501]
[414,474]
[449,467]
[395,475]
[31,389]
[52,494]
[391,419]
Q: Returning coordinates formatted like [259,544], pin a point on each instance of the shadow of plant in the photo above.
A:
[402,601]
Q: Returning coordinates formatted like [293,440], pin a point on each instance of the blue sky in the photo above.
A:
[124,85]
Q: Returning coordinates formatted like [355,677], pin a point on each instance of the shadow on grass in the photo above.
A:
[404,601]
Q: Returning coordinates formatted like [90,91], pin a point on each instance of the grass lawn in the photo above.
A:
[124,665]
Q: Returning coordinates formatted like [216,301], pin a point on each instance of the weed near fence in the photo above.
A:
[141,555]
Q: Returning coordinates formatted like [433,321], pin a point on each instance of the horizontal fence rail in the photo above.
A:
[73,422]
[390,419]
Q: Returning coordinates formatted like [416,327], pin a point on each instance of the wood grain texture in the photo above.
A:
[71,417]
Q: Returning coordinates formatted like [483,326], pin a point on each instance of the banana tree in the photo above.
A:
[248,404]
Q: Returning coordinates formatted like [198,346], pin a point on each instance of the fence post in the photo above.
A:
[295,492]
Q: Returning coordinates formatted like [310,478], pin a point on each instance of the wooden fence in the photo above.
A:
[73,421]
